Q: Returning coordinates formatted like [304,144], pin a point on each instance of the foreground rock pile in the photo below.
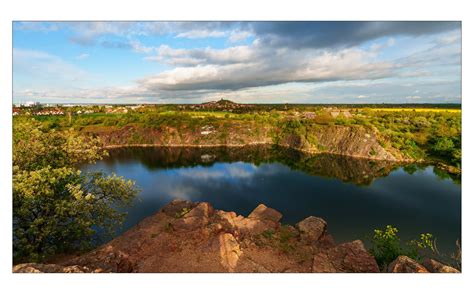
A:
[194,237]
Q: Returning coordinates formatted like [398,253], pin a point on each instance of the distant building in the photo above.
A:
[31,104]
[50,111]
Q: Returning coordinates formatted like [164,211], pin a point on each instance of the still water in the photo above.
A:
[354,196]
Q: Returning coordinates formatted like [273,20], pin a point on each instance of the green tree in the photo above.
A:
[443,145]
[56,208]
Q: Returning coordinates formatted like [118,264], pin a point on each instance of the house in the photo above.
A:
[49,111]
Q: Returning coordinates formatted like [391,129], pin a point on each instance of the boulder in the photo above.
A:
[437,267]
[262,218]
[264,213]
[226,217]
[404,264]
[347,258]
[197,217]
[229,250]
[176,206]
[252,226]
[203,209]
[312,228]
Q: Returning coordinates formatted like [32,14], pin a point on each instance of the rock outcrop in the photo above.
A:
[404,264]
[194,237]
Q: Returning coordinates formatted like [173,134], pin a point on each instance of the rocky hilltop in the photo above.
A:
[194,237]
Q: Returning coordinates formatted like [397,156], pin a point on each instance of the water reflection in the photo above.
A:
[348,169]
[353,195]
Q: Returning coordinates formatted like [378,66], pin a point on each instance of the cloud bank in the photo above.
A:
[255,60]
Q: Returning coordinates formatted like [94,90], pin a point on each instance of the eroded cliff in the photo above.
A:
[355,141]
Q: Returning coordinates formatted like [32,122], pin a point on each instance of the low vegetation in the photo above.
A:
[387,246]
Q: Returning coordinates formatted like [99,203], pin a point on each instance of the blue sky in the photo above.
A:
[249,62]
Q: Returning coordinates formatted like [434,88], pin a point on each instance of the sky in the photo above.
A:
[246,62]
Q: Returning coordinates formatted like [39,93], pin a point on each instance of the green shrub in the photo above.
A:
[386,246]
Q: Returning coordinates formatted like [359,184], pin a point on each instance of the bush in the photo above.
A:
[443,145]
[386,246]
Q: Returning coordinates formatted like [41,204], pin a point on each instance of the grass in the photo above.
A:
[418,109]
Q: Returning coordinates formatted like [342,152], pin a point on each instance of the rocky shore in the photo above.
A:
[194,237]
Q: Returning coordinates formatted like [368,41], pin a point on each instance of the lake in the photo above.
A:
[354,196]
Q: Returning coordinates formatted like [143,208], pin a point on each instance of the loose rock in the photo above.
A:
[262,212]
[312,228]
[437,267]
[404,264]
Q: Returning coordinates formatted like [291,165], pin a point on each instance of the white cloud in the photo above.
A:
[252,66]
[205,56]
[44,66]
[82,56]
[391,42]
[200,34]
[138,47]
[236,36]
[237,170]
[449,38]
[38,26]
[86,33]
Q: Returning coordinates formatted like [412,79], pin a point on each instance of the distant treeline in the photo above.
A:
[381,105]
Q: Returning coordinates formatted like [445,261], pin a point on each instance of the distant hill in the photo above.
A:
[220,102]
